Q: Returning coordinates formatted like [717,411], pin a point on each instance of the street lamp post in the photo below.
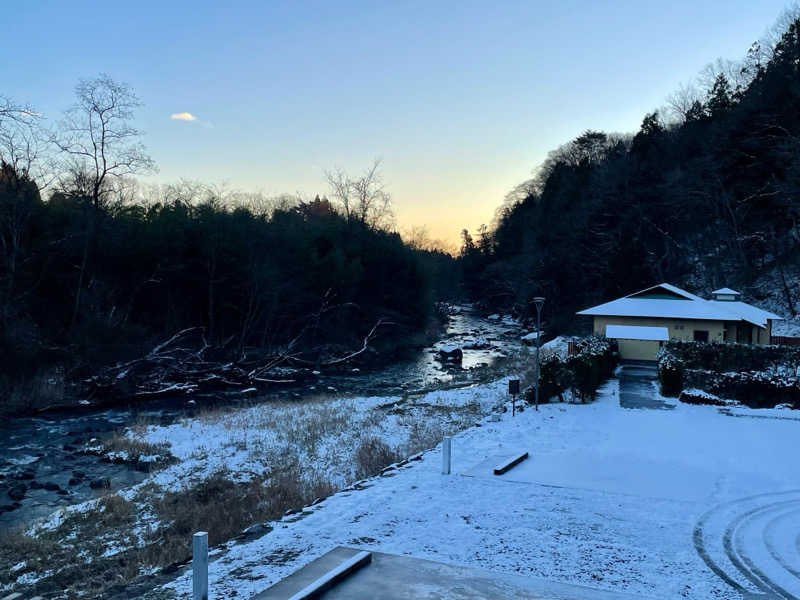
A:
[539,302]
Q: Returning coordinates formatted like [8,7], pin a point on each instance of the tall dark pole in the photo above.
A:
[539,301]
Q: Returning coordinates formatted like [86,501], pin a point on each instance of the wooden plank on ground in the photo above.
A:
[510,463]
[334,576]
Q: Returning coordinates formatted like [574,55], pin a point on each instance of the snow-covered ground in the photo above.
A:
[322,433]
[689,502]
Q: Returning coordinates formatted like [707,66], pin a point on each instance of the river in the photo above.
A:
[43,466]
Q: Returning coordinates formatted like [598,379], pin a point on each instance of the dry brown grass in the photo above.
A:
[142,422]
[16,547]
[424,435]
[116,511]
[372,455]
[224,508]
[72,557]
[295,424]
[135,449]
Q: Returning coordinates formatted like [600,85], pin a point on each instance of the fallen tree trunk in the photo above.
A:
[187,364]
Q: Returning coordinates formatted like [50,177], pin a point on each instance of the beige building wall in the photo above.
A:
[760,336]
[678,329]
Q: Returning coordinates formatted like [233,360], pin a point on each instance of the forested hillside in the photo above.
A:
[709,198]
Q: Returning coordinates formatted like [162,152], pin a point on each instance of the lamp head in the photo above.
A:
[538,301]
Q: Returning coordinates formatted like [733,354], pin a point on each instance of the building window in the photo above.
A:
[700,335]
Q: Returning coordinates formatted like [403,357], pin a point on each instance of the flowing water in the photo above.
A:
[43,466]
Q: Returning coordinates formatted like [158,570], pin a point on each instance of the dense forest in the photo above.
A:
[705,196]
[94,271]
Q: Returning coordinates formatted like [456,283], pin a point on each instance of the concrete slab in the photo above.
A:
[392,577]
[623,474]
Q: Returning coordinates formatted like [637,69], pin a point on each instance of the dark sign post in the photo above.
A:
[513,389]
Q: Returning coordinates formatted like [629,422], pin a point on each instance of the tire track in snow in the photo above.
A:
[699,535]
[769,537]
[740,557]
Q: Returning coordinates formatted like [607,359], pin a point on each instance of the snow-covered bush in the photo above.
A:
[728,356]
[756,376]
[670,373]
[583,372]
[695,396]
[756,389]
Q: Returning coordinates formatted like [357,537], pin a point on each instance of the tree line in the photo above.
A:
[95,269]
[705,194]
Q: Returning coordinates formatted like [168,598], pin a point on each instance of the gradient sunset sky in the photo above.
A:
[461,100]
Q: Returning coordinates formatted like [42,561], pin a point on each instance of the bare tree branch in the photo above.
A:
[364,198]
[96,136]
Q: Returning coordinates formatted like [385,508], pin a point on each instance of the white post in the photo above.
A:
[446,455]
[200,565]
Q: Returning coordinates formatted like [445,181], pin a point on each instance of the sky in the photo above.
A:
[460,100]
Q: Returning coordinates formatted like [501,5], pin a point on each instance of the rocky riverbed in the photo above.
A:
[61,459]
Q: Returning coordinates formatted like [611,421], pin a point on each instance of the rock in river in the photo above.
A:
[18,491]
[97,484]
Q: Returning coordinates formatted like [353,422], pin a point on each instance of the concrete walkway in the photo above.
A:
[636,389]
[393,577]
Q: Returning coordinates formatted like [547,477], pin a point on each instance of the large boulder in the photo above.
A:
[452,354]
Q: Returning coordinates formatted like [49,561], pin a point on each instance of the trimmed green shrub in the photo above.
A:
[728,356]
[670,374]
[756,389]
[756,376]
[583,372]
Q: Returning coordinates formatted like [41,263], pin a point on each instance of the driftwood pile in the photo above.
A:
[187,364]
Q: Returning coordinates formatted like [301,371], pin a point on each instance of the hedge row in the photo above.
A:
[756,376]
[756,389]
[583,373]
[727,356]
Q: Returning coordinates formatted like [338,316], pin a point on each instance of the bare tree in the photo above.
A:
[681,101]
[97,138]
[99,148]
[23,142]
[419,238]
[735,71]
[766,46]
[364,198]
[14,111]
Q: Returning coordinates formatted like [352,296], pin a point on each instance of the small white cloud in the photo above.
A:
[183,116]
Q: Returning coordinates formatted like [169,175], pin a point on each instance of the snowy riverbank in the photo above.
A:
[628,500]
[613,498]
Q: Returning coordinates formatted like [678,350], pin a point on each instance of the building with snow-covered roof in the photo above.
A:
[644,320]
